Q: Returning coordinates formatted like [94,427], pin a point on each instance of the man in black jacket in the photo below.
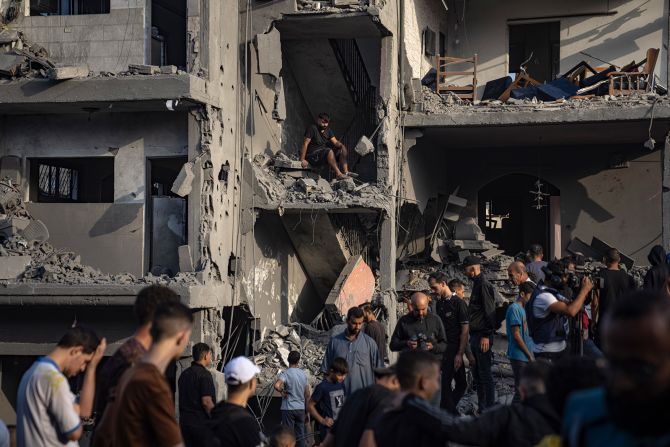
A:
[482,327]
[420,331]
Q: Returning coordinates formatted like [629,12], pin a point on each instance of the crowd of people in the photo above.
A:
[609,385]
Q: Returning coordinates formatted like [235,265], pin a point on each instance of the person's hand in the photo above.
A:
[99,353]
[471,359]
[412,344]
[531,358]
[484,344]
[284,394]
[429,346]
[587,284]
[328,422]
[304,163]
[458,361]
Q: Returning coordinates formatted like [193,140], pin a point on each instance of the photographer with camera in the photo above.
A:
[547,311]
[420,330]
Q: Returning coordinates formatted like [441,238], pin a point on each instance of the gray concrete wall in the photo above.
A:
[107,236]
[106,42]
[619,206]
[420,14]
[618,38]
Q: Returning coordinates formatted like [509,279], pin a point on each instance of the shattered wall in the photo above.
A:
[106,42]
[618,205]
[419,15]
[617,31]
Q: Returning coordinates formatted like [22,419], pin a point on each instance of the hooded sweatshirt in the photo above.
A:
[657,276]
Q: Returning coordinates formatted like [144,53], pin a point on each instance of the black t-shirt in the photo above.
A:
[358,414]
[405,426]
[617,284]
[454,314]
[194,384]
[233,426]
[318,139]
[376,330]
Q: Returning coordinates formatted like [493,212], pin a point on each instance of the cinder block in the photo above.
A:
[364,146]
[11,267]
[72,72]
[184,182]
[354,286]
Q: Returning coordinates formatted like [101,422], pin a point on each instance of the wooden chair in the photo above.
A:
[633,81]
[521,80]
[442,84]
[579,72]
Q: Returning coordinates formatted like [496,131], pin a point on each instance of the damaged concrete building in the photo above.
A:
[157,141]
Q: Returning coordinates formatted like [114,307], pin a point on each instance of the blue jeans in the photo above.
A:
[591,350]
[482,374]
[295,420]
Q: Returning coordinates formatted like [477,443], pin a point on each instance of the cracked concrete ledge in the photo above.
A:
[195,297]
[466,117]
[158,88]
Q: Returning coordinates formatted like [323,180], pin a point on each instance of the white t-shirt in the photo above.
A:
[45,413]
[541,310]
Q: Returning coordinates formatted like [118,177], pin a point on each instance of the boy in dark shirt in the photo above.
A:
[328,397]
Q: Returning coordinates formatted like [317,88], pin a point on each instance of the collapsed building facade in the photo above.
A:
[157,142]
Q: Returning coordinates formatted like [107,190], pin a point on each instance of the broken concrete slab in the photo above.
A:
[10,64]
[324,185]
[287,163]
[364,146]
[467,229]
[602,247]
[345,184]
[579,247]
[279,110]
[144,69]
[354,286]
[268,47]
[185,258]
[307,184]
[472,245]
[11,267]
[8,36]
[70,72]
[12,226]
[169,69]
[184,182]
[492,253]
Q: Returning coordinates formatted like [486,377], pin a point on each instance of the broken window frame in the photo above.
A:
[62,184]
[68,7]
[428,42]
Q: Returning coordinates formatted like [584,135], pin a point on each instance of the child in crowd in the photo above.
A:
[519,343]
[328,397]
[292,384]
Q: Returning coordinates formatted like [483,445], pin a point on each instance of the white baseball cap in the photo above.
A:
[240,370]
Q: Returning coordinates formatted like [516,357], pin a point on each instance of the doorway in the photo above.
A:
[168,33]
[518,210]
[541,41]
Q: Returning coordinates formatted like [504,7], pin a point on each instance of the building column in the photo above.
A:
[665,191]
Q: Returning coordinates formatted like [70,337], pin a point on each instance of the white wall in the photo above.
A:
[420,14]
[618,38]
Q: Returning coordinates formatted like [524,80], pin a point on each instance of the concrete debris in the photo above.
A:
[11,267]
[310,6]
[354,286]
[144,69]
[307,184]
[184,182]
[20,58]
[8,36]
[72,72]
[10,64]
[364,146]
[35,231]
[169,69]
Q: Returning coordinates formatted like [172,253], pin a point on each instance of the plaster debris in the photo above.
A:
[71,72]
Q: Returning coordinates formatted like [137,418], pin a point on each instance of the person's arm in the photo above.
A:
[329,441]
[398,340]
[325,363]
[207,392]
[516,333]
[87,394]
[311,408]
[303,152]
[489,303]
[308,393]
[571,309]
[279,386]
[462,344]
[368,439]
[440,344]
[336,143]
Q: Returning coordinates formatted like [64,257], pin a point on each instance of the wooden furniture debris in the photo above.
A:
[579,72]
[443,74]
[521,80]
[627,82]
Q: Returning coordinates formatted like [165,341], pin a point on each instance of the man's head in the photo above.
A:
[368,313]
[418,373]
[636,342]
[387,378]
[525,291]
[472,266]
[202,354]
[516,272]
[338,369]
[570,374]
[323,120]
[293,358]
[148,299]
[240,376]
[282,436]
[536,252]
[171,327]
[612,258]
[554,274]
[355,320]
[533,378]
[78,345]
[569,263]
[457,287]
[420,304]
[438,284]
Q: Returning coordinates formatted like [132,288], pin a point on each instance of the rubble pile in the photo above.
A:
[284,181]
[20,58]
[272,352]
[327,6]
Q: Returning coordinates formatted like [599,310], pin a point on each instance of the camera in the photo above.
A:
[421,341]
[581,271]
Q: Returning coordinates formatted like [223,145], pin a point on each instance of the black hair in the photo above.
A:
[411,364]
[324,115]
[534,376]
[438,277]
[293,357]
[526,287]
[611,256]
[355,312]
[554,272]
[80,336]
[200,350]
[339,366]
[147,300]
[280,435]
[455,284]
[536,250]
[571,374]
[169,319]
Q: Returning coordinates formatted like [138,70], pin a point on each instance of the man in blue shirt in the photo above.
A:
[632,408]
[519,343]
[292,385]
[359,350]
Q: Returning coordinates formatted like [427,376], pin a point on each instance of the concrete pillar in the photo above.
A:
[665,189]
[387,261]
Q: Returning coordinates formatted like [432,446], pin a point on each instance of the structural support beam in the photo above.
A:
[665,191]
